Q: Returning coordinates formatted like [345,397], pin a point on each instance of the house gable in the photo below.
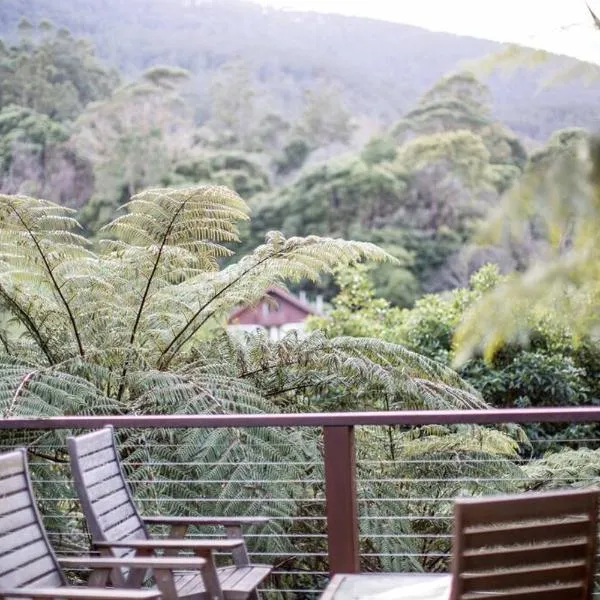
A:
[283,308]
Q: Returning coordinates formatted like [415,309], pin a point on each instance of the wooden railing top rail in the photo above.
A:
[345,419]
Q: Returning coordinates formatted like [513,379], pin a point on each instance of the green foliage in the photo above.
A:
[121,315]
[232,104]
[35,158]
[548,372]
[557,198]
[567,468]
[398,281]
[52,73]
[411,480]
[463,152]
[461,103]
[293,156]
[406,476]
[443,115]
[133,139]
[18,124]
[330,198]
[463,86]
[230,169]
[355,309]
[420,200]
[379,149]
[502,177]
[325,120]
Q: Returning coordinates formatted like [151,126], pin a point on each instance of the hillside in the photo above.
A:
[382,67]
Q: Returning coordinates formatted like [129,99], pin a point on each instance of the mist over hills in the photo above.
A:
[382,67]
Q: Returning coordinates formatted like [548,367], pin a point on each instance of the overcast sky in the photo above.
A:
[562,26]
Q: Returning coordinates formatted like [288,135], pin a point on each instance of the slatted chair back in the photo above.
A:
[26,557]
[538,546]
[106,499]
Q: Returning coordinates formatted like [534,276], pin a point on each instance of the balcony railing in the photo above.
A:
[353,510]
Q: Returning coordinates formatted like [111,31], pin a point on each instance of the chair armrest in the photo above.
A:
[225,521]
[144,562]
[173,544]
[79,593]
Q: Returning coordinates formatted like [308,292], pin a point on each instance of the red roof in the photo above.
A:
[289,310]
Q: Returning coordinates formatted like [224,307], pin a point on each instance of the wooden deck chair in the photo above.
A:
[534,546]
[117,528]
[28,566]
[530,546]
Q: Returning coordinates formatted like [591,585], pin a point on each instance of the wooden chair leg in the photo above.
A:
[98,578]
[165,583]
[210,575]
[240,554]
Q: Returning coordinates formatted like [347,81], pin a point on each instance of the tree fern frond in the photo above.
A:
[362,370]
[41,231]
[175,216]
[406,477]
[28,390]
[278,260]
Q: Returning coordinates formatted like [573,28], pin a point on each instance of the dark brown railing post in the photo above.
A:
[340,499]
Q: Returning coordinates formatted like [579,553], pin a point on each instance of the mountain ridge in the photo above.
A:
[382,67]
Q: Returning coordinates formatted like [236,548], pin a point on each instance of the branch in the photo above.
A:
[53,459]
[294,388]
[154,269]
[280,363]
[164,363]
[594,16]
[54,282]
[4,342]
[24,317]
[146,293]
[18,391]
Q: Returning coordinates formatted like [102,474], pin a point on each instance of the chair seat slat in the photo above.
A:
[488,580]
[96,477]
[251,578]
[126,530]
[235,581]
[19,537]
[92,442]
[12,484]
[48,579]
[19,577]
[11,464]
[108,486]
[14,502]
[23,556]
[17,520]
[110,502]
[95,459]
[119,514]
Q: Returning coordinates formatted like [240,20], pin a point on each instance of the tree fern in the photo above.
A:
[135,324]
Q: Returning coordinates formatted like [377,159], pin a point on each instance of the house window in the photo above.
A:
[270,307]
